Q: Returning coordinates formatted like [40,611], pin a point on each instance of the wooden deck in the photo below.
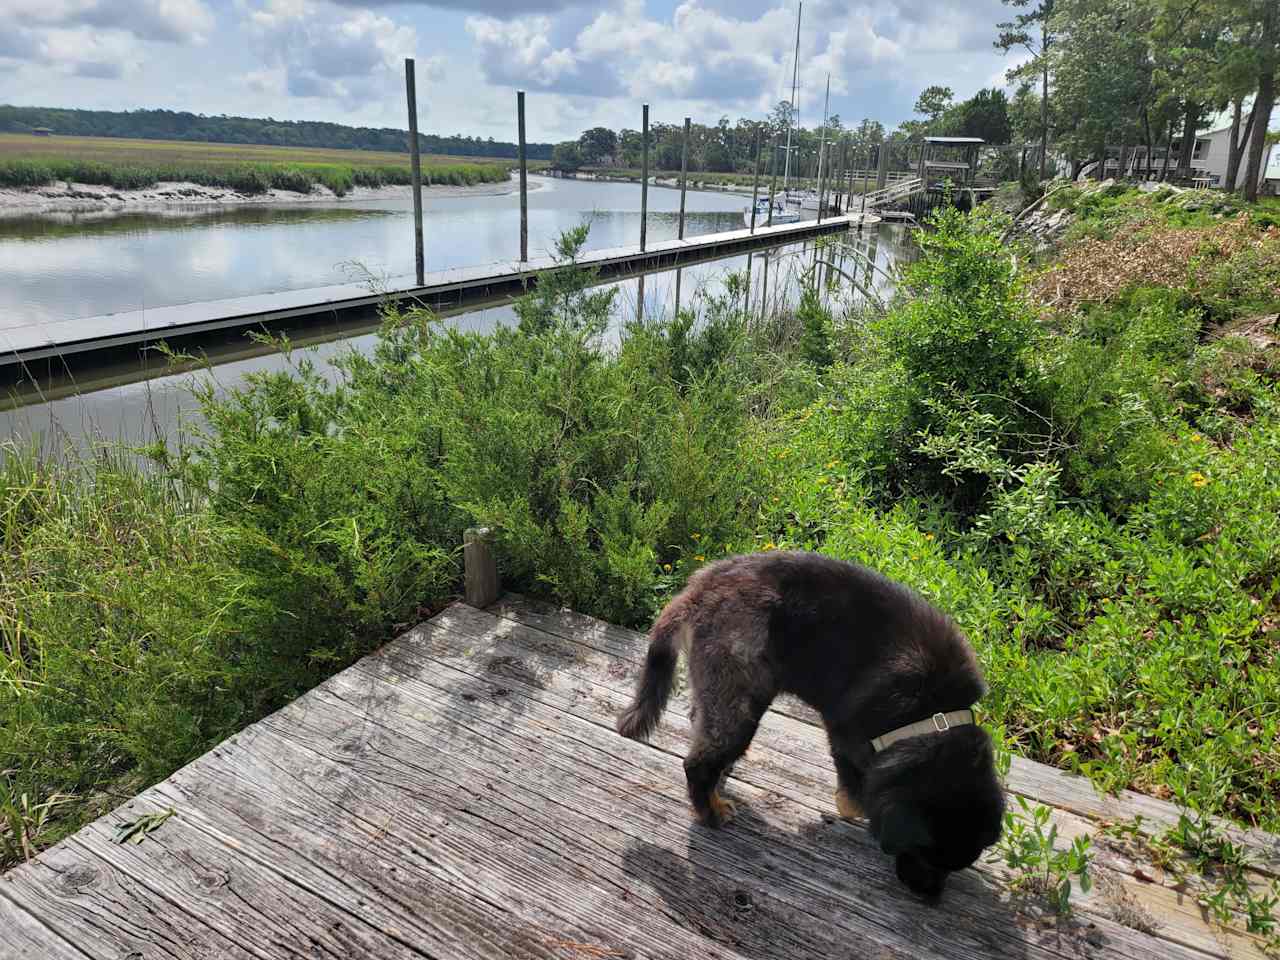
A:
[461,793]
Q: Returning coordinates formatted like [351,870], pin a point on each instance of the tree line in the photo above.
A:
[729,146]
[180,125]
[1148,72]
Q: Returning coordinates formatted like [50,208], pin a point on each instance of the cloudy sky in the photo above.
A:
[583,63]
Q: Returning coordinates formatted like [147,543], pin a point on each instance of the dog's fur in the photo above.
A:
[869,656]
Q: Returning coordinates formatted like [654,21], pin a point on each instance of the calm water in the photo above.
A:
[62,266]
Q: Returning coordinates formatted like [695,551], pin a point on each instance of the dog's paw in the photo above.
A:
[719,811]
[847,807]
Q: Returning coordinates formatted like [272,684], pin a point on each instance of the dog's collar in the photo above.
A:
[938,723]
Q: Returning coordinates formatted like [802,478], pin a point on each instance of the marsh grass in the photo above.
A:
[138,164]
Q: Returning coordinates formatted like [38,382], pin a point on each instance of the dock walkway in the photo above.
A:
[461,793]
[24,341]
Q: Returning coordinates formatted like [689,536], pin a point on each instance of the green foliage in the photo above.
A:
[1093,499]
[1040,868]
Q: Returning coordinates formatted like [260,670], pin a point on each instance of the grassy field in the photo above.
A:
[27,161]
[1082,474]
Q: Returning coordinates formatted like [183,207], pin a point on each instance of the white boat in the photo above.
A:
[780,213]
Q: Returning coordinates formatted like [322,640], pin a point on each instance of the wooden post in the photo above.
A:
[866,175]
[644,177]
[773,185]
[844,166]
[480,568]
[419,257]
[684,174]
[882,164]
[764,286]
[1022,164]
[684,177]
[924,156]
[524,182]
[822,178]
[755,193]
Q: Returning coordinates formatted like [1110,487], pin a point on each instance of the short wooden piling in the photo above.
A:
[419,255]
[644,177]
[480,567]
[524,182]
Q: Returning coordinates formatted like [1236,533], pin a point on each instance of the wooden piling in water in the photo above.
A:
[773,181]
[882,164]
[755,187]
[524,181]
[411,94]
[644,177]
[684,181]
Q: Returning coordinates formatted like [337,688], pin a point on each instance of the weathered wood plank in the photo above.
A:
[1049,785]
[791,765]
[789,759]
[461,794]
[774,853]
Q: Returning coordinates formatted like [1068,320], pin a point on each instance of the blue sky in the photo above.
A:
[582,64]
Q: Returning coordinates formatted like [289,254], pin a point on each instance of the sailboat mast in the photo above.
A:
[791,114]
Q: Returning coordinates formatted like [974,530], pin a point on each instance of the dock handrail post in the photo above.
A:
[644,176]
[755,182]
[773,177]
[419,258]
[524,181]
[480,567]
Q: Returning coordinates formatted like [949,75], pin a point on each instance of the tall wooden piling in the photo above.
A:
[419,255]
[882,164]
[644,177]
[524,181]
[822,180]
[773,180]
[684,178]
[755,186]
[866,177]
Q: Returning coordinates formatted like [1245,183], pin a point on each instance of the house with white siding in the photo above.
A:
[1209,160]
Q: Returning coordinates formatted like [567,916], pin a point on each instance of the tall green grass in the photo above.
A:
[248,178]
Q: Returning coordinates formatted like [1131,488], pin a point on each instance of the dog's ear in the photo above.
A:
[902,828]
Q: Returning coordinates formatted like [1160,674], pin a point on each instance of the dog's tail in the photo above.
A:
[639,719]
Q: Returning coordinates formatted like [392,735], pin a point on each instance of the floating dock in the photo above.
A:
[24,342]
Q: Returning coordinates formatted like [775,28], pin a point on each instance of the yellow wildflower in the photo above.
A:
[928,536]
[1196,437]
[666,567]
[1197,479]
[700,558]
[696,536]
[770,546]
[832,464]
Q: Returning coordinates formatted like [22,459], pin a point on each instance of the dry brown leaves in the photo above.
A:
[1097,271]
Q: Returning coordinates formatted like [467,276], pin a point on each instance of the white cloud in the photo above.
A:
[318,50]
[168,21]
[100,39]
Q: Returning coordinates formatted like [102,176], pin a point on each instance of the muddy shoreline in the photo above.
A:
[92,198]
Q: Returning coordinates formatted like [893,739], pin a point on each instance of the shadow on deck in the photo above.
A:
[461,793]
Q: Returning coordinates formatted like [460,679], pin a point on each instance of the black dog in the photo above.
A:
[891,676]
